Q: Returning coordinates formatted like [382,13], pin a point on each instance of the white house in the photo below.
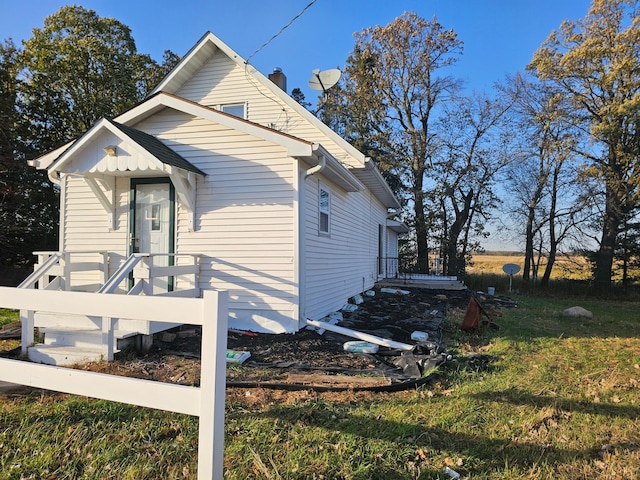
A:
[218,180]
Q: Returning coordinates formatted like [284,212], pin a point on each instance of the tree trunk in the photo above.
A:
[422,264]
[611,222]
[528,246]
[453,263]
[553,241]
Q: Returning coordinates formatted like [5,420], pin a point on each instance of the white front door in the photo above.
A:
[153,226]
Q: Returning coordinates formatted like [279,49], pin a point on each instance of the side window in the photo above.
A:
[324,211]
[235,109]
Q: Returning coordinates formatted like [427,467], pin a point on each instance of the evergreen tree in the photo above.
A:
[594,62]
[28,200]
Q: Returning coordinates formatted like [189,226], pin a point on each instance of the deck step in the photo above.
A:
[68,346]
[56,320]
[52,355]
[79,337]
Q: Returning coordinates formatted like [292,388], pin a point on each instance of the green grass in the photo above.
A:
[8,316]
[543,397]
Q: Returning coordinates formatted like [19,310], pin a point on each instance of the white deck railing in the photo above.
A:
[89,271]
[205,402]
[54,270]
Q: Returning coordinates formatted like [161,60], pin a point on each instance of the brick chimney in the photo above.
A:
[279,78]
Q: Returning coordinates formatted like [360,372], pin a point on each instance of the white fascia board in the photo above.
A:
[77,145]
[338,169]
[193,59]
[380,184]
[43,162]
[103,124]
[333,169]
[396,226]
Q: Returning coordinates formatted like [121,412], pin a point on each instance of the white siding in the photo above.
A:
[245,232]
[345,263]
[222,81]
[85,224]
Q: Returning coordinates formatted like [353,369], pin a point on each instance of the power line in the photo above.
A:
[282,29]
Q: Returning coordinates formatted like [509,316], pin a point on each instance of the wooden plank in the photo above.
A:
[134,391]
[159,309]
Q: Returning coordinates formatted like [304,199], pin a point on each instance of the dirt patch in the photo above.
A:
[307,360]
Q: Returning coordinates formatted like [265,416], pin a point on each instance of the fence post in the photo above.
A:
[213,372]
[27,325]
[108,338]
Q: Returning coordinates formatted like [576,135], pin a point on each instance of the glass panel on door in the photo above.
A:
[153,229]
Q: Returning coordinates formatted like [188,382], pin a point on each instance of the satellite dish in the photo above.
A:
[324,80]
[511,268]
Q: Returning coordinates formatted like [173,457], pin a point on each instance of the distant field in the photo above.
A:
[575,267]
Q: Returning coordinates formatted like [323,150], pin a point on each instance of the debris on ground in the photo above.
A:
[316,359]
[10,331]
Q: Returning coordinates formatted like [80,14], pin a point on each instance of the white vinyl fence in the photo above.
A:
[205,402]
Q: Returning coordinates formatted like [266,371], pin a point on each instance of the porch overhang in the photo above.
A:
[109,150]
[396,226]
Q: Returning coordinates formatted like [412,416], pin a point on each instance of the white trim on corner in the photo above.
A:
[299,271]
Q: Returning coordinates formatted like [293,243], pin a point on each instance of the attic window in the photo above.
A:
[235,109]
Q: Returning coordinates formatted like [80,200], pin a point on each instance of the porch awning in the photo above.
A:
[110,149]
[113,148]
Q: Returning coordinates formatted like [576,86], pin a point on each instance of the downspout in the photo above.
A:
[318,168]
[301,251]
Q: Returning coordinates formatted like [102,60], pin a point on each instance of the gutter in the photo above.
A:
[360,335]
[318,168]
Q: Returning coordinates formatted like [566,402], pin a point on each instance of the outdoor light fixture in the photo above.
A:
[110,150]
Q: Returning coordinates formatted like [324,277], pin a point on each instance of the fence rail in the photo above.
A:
[205,402]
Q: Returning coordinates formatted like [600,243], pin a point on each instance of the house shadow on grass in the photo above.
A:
[519,397]
[488,452]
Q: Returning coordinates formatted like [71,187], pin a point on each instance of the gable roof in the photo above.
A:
[152,153]
[312,153]
[209,44]
[158,149]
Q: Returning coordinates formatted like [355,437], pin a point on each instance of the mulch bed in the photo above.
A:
[307,359]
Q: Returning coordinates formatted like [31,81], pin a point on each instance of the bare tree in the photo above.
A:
[474,147]
[395,84]
[544,178]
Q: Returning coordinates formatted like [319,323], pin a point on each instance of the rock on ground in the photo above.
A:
[577,312]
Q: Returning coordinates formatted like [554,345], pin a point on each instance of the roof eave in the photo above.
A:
[373,179]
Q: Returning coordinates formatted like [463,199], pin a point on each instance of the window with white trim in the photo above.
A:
[235,109]
[324,211]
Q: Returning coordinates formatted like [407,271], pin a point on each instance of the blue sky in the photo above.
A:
[499,35]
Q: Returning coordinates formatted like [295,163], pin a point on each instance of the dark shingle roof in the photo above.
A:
[156,148]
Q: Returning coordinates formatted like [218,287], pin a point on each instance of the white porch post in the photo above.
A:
[213,365]
[105,267]
[66,272]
